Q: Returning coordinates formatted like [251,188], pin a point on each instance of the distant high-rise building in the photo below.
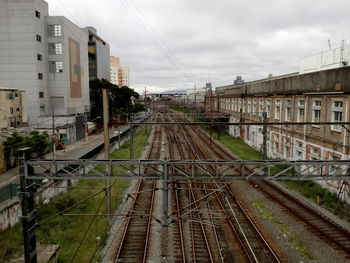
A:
[119,74]
[125,76]
[238,80]
[114,67]
[46,56]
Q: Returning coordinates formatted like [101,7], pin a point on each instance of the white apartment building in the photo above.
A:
[114,67]
[119,74]
[125,76]
[46,56]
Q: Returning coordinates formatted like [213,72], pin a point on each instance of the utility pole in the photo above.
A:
[195,95]
[105,99]
[53,134]
[26,195]
[131,141]
[265,140]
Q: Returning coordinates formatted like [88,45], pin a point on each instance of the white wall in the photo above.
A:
[326,60]
[59,83]
[19,66]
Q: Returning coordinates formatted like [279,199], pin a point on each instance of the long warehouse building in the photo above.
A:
[321,96]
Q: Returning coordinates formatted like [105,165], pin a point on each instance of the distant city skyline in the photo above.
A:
[175,45]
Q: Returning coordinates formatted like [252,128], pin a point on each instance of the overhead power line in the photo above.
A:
[160,44]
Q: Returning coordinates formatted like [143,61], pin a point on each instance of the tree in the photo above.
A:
[37,141]
[119,99]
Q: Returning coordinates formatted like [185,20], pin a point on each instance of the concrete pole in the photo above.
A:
[53,134]
[165,193]
[131,142]
[265,141]
[26,194]
[105,101]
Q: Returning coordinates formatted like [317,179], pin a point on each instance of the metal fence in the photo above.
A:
[8,191]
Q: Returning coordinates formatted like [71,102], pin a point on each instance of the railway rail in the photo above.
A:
[317,223]
[134,243]
[208,222]
[245,245]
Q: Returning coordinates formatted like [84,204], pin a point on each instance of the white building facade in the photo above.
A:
[45,56]
[329,59]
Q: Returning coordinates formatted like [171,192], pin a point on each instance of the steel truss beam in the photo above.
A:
[189,169]
[236,123]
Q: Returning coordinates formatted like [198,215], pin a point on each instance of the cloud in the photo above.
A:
[176,44]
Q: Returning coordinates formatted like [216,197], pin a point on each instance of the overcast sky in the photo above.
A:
[177,44]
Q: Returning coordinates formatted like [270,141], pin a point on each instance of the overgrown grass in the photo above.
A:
[236,146]
[308,189]
[316,192]
[287,232]
[68,231]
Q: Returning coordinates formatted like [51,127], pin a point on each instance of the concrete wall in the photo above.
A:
[333,80]
[334,58]
[19,66]
[294,142]
[60,84]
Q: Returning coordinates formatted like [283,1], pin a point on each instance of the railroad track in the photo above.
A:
[317,223]
[225,239]
[134,243]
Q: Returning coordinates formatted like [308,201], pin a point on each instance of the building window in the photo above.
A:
[38,38]
[249,106]
[334,169]
[39,57]
[254,107]
[37,14]
[40,75]
[41,94]
[316,111]
[42,108]
[54,30]
[11,110]
[337,114]
[260,106]
[9,96]
[301,111]
[299,155]
[17,109]
[268,108]
[56,66]
[288,111]
[277,109]
[55,48]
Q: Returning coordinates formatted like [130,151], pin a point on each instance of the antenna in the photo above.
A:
[329,44]
[342,59]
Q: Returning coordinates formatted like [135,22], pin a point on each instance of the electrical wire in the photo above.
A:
[161,40]
[114,220]
[88,229]
[69,208]
[160,44]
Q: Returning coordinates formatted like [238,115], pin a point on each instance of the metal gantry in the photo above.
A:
[185,169]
